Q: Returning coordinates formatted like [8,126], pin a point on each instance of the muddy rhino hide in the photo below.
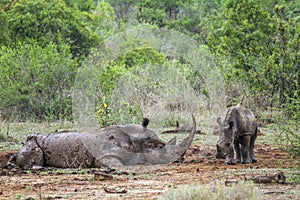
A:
[112,146]
[138,145]
[63,149]
[29,155]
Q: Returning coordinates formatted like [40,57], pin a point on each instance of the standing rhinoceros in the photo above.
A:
[112,146]
[237,132]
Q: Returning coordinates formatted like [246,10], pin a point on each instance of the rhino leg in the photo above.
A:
[109,161]
[230,159]
[245,149]
[237,149]
[251,150]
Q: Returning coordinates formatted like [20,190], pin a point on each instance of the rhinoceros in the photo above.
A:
[116,145]
[237,133]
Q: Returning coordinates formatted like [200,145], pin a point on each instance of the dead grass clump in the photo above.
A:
[239,191]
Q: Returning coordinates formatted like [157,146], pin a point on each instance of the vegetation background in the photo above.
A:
[254,45]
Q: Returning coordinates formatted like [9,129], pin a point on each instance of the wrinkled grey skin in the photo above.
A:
[112,146]
[237,134]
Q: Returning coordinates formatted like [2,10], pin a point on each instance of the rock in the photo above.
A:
[100,176]
[115,190]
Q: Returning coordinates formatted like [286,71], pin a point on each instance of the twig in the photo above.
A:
[273,192]
[7,131]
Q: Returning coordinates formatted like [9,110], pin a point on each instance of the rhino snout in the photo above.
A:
[220,153]
[20,160]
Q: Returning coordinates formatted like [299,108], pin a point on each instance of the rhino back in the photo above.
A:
[244,119]
[66,150]
[73,149]
[136,131]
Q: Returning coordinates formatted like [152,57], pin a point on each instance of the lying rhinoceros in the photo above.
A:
[112,146]
[237,132]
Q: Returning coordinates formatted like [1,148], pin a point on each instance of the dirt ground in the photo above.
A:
[149,182]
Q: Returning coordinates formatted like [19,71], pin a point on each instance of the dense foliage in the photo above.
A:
[43,42]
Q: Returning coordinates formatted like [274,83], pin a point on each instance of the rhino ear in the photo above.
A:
[219,121]
[30,137]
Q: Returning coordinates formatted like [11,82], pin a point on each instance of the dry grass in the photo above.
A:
[213,192]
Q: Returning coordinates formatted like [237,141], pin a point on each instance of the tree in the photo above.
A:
[4,34]
[262,43]
[51,22]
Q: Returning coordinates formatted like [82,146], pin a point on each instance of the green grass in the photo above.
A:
[22,130]
[7,146]
[12,135]
[67,171]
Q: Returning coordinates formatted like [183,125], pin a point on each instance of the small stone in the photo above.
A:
[100,176]
[230,182]
[115,190]
[38,184]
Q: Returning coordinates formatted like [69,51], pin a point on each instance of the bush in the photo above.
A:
[197,192]
[288,136]
[36,82]
[126,111]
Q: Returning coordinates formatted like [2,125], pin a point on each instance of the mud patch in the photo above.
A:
[4,157]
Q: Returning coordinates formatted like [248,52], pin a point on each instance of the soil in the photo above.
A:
[148,182]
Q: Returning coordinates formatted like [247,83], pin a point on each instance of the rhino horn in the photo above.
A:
[172,152]
[184,145]
[169,153]
[219,122]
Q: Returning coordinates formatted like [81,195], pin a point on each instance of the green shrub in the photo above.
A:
[2,137]
[36,82]
[288,136]
[125,112]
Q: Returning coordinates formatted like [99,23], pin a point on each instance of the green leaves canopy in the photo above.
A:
[50,22]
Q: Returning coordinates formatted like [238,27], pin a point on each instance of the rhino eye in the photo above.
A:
[111,137]
[227,144]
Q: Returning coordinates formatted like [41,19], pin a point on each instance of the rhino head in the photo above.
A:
[171,152]
[226,139]
[29,155]
[137,145]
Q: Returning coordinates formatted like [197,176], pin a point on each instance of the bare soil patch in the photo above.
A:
[148,182]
